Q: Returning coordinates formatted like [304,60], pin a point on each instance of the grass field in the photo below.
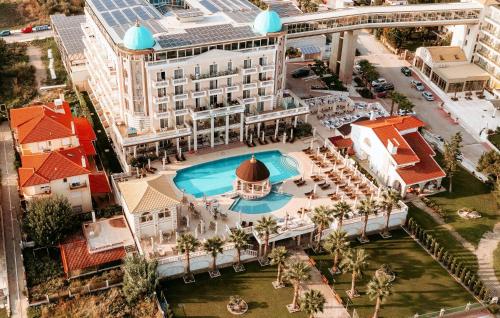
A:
[209,297]
[471,193]
[421,284]
[10,15]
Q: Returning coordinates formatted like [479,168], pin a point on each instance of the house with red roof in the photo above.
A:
[397,153]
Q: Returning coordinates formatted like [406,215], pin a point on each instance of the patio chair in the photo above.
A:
[301,183]
[325,187]
[309,193]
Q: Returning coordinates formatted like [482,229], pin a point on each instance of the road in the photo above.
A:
[11,231]
[27,37]
[388,65]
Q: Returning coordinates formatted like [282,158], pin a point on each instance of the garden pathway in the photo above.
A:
[35,56]
[332,309]
[484,251]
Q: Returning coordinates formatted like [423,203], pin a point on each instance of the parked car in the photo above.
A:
[428,96]
[43,27]
[27,29]
[406,71]
[5,33]
[379,89]
[379,81]
[403,112]
[382,94]
[388,86]
[356,69]
[418,85]
[301,72]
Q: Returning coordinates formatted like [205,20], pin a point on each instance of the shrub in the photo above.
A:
[140,278]
[365,92]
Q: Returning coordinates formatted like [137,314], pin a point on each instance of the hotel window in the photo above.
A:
[262,76]
[213,84]
[163,123]
[247,79]
[162,107]
[179,73]
[247,63]
[196,87]
[179,120]
[263,61]
[161,76]
[213,69]
[229,97]
[213,100]
[230,81]
[262,91]
[162,92]
[146,217]
[179,104]
[230,66]
[197,70]
[164,214]
[197,102]
[246,93]
[179,89]
[260,106]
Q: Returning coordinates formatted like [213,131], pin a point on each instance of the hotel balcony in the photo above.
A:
[249,86]
[209,76]
[249,70]
[125,138]
[276,114]
[162,114]
[266,68]
[198,94]
[216,112]
[180,97]
[265,98]
[215,91]
[248,100]
[266,83]
[180,81]
[180,112]
[160,99]
[232,89]
[160,83]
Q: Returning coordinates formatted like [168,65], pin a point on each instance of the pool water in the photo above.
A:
[217,177]
[273,201]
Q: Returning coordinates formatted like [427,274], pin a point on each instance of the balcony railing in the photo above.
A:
[266,83]
[234,88]
[216,112]
[265,98]
[160,99]
[250,86]
[198,94]
[249,100]
[207,76]
[162,114]
[160,83]
[150,136]
[248,71]
[180,97]
[268,67]
[181,112]
[180,81]
[277,114]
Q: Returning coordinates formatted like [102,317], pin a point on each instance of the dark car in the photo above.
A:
[4,33]
[382,94]
[406,71]
[301,72]
[379,89]
[388,86]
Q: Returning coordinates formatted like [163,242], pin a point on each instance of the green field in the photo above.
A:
[421,284]
[209,297]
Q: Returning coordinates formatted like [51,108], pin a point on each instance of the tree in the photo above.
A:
[336,244]
[451,156]
[213,246]
[390,199]
[279,256]
[355,262]
[187,243]
[297,272]
[265,227]
[322,217]
[368,72]
[405,104]
[340,209]
[140,278]
[489,164]
[395,99]
[379,288]
[365,208]
[240,239]
[313,302]
[49,220]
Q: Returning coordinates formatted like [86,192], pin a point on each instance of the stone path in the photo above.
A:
[35,56]
[333,309]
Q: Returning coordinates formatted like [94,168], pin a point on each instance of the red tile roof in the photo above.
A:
[84,130]
[88,147]
[99,183]
[427,168]
[341,142]
[404,153]
[399,122]
[75,254]
[42,168]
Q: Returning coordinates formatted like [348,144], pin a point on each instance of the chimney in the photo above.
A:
[58,106]
[84,162]
[392,146]
[93,217]
[372,115]
[72,127]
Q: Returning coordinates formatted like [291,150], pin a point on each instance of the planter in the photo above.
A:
[237,306]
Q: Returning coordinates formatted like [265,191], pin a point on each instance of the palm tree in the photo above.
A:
[313,302]
[213,246]
[366,207]
[265,227]
[336,244]
[355,261]
[240,239]
[378,288]
[187,243]
[297,272]
[390,199]
[322,217]
[405,104]
[340,209]
[395,99]
[278,257]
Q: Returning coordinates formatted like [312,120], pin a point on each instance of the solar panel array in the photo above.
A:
[240,11]
[120,13]
[187,13]
[152,25]
[70,31]
[284,8]
[206,35]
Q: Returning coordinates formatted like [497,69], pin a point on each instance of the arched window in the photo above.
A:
[146,217]
[164,214]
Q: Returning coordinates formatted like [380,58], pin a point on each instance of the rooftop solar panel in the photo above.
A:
[110,5]
[98,5]
[141,13]
[209,6]
[130,14]
[153,12]
[120,3]
[109,19]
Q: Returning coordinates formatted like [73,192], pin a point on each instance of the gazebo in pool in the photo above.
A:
[252,179]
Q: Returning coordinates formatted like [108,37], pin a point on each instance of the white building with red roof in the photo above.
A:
[397,153]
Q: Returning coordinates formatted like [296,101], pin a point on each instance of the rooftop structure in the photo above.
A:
[138,37]
[252,179]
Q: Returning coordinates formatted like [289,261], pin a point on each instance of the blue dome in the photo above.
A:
[267,21]
[138,37]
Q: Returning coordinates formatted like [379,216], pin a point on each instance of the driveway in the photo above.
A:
[438,121]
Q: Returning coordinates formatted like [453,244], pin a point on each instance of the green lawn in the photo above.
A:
[471,193]
[496,261]
[443,236]
[208,297]
[495,138]
[421,286]
[61,75]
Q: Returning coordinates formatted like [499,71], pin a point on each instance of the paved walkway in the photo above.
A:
[333,309]
[35,55]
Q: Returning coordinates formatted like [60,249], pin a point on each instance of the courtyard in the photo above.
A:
[421,284]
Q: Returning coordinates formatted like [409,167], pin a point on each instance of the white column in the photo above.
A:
[195,135]
[178,144]
[347,57]
[227,129]
[295,121]
[246,132]
[212,132]
[276,129]
[307,116]
[258,129]
[135,151]
[189,143]
[242,124]
[335,52]
[157,145]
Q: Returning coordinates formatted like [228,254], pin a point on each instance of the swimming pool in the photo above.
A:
[273,201]
[216,177]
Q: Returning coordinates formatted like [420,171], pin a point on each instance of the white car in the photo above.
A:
[418,85]
[403,112]
[378,82]
[428,96]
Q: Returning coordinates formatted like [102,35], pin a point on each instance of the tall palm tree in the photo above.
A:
[322,217]
[340,209]
[313,302]
[336,244]
[379,288]
[240,239]
[278,257]
[395,99]
[297,272]
[213,246]
[187,243]
[365,208]
[265,227]
[355,261]
[390,199]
